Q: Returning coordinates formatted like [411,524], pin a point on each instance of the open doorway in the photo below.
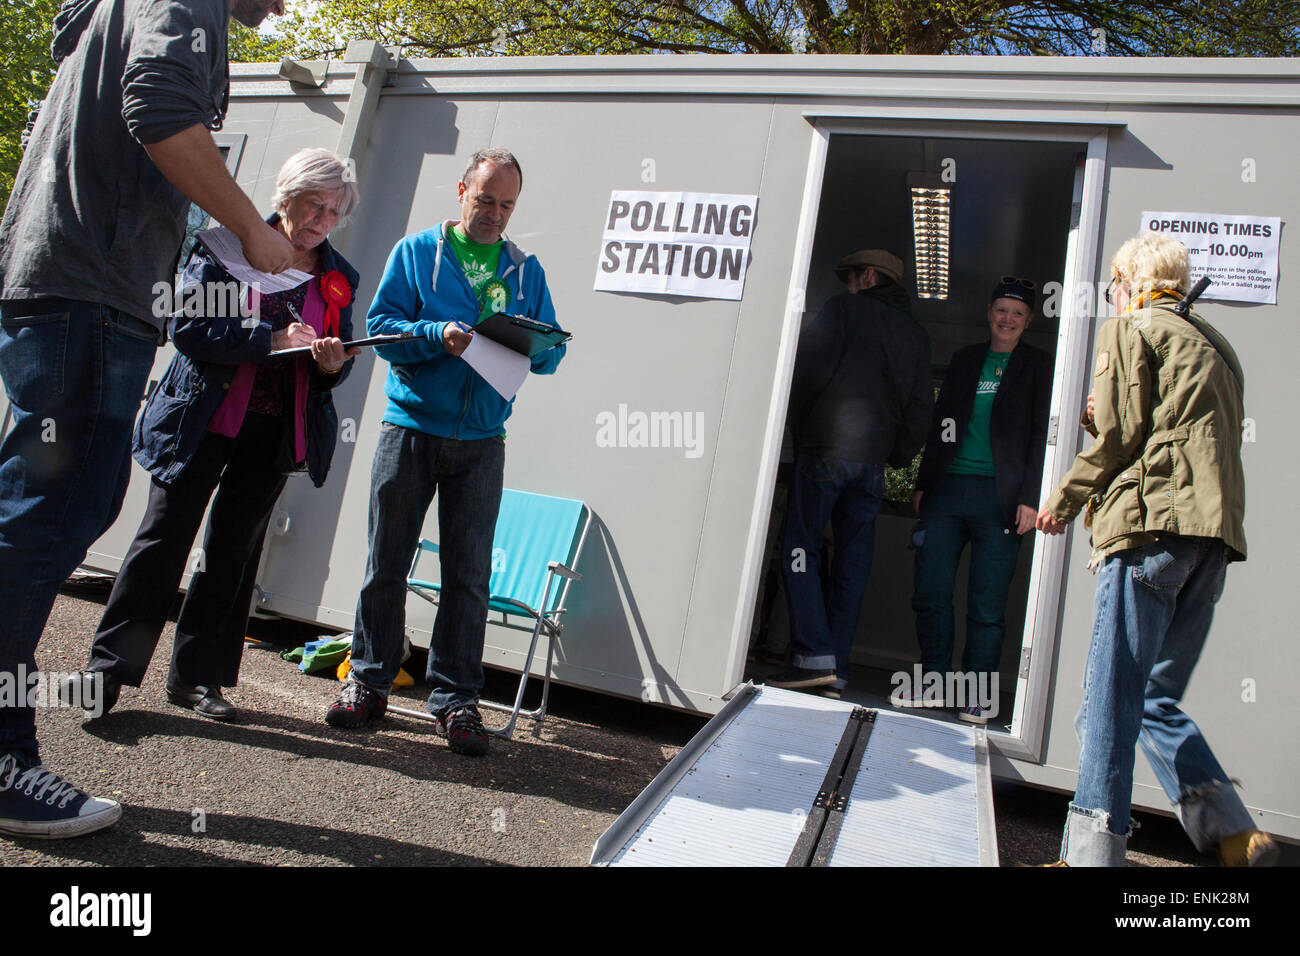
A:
[1013,204]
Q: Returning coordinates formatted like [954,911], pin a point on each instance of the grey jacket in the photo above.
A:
[90,216]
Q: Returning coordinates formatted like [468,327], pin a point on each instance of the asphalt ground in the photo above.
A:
[282,788]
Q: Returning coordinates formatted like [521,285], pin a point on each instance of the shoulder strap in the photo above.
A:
[1215,345]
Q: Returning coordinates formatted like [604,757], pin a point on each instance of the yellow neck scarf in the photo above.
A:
[1146,297]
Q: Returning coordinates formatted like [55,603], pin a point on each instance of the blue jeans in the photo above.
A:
[409,467]
[75,375]
[963,508]
[849,495]
[1153,610]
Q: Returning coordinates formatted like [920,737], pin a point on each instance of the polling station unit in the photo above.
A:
[688,211]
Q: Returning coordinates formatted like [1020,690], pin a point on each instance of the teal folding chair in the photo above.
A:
[538,540]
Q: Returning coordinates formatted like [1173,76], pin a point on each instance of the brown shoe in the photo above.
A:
[1248,848]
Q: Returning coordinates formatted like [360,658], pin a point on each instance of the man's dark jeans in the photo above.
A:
[409,467]
[74,373]
[848,495]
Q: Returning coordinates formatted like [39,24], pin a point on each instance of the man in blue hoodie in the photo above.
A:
[442,431]
[120,148]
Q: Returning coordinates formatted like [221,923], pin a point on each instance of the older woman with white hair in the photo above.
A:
[231,417]
[1164,486]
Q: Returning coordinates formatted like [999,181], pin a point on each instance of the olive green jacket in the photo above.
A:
[1168,415]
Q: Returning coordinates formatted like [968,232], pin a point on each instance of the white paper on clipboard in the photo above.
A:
[225,245]
[502,368]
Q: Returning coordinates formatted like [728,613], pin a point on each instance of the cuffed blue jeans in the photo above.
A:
[409,466]
[75,374]
[963,508]
[849,495]
[1152,614]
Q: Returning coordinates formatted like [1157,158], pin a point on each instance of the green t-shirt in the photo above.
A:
[478,261]
[975,454]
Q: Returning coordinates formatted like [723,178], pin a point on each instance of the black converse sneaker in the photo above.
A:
[37,802]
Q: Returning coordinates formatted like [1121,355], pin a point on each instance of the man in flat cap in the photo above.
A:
[861,398]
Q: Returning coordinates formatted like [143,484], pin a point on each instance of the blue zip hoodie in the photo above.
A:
[422,289]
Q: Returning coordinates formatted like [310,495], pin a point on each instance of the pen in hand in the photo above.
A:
[456,336]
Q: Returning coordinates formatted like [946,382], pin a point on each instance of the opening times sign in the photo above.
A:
[673,243]
[1238,253]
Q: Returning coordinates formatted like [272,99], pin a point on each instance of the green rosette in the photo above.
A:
[493,296]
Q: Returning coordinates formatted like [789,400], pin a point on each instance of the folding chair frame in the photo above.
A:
[542,620]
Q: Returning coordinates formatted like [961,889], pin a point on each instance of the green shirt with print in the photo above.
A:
[975,454]
[478,260]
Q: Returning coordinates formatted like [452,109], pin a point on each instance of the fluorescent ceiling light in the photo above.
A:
[931,215]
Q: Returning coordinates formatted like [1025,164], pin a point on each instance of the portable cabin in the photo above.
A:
[667,415]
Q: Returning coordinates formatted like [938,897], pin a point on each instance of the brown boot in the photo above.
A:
[1248,848]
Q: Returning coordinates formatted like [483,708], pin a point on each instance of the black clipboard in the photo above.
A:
[355,343]
[521,334]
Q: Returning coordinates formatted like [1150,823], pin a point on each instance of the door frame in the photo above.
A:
[1024,740]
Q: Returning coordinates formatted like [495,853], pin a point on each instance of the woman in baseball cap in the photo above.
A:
[979,483]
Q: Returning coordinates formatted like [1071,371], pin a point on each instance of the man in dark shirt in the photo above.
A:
[861,398]
[121,147]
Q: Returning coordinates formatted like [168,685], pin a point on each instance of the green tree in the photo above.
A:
[1064,27]
[250,46]
[540,27]
[26,69]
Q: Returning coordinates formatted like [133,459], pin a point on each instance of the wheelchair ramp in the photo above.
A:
[780,778]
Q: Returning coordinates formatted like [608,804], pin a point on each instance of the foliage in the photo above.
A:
[250,46]
[900,483]
[423,28]
[26,70]
[538,27]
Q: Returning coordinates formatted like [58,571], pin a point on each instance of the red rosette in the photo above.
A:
[337,293]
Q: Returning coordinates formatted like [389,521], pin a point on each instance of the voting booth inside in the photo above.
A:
[688,212]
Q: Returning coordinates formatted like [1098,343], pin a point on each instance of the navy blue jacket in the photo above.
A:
[1017,426]
[209,353]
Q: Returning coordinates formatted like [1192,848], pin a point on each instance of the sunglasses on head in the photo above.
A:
[1016,280]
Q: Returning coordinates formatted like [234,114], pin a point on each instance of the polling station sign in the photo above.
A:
[1238,253]
[674,243]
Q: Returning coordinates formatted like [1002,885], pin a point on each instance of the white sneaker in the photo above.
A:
[916,698]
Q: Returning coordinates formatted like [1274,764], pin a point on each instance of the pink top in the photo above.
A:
[230,416]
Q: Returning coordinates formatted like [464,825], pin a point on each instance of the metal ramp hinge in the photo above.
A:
[823,800]
[1053,425]
[1024,662]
